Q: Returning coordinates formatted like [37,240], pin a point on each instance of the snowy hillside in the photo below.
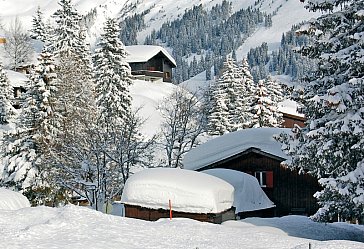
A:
[285,14]
[79,227]
[147,96]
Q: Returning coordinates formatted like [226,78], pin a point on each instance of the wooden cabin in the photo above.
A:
[289,120]
[291,114]
[150,63]
[255,152]
[157,193]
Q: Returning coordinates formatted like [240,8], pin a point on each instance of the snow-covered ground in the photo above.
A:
[11,200]
[79,227]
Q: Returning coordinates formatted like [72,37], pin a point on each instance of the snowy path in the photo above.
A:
[77,227]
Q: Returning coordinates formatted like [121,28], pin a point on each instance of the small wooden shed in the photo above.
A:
[156,193]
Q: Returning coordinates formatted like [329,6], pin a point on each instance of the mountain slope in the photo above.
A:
[285,14]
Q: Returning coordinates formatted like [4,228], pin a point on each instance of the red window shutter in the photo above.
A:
[269,175]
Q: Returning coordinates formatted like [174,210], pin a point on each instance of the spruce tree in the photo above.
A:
[7,111]
[38,26]
[265,105]
[67,31]
[331,146]
[26,146]
[231,99]
[113,75]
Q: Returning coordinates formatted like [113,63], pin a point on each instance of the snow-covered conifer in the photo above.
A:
[38,26]
[231,98]
[264,108]
[67,31]
[25,147]
[331,146]
[113,75]
[7,111]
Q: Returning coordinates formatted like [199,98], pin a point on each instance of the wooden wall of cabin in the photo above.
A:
[292,193]
[148,214]
[290,120]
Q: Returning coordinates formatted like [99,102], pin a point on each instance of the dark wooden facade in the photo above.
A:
[149,214]
[290,120]
[292,193]
[155,68]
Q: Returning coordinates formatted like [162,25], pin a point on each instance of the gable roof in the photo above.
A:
[143,53]
[235,143]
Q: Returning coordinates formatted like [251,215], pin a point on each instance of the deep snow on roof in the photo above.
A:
[189,191]
[142,53]
[233,143]
[248,195]
[11,200]
[17,79]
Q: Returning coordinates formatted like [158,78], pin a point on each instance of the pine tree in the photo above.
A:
[38,26]
[7,111]
[67,31]
[25,147]
[113,75]
[331,146]
[265,105]
[231,98]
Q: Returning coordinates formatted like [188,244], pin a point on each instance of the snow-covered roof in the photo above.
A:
[233,143]
[17,79]
[248,195]
[143,53]
[289,107]
[189,191]
[11,200]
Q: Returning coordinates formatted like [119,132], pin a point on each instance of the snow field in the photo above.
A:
[79,227]
[10,200]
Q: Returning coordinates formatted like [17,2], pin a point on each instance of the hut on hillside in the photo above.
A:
[148,194]
[149,62]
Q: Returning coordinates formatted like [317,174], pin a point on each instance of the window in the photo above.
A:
[167,75]
[265,178]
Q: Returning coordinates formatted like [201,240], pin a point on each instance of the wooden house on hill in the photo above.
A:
[254,151]
[151,63]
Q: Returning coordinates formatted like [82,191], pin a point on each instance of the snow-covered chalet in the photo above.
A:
[151,63]
[256,152]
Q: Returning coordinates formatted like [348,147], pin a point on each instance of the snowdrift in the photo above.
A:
[189,191]
[248,195]
[11,200]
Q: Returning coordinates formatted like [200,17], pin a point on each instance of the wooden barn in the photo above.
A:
[165,192]
[254,151]
[151,63]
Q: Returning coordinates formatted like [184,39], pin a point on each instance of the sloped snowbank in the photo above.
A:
[79,227]
[248,195]
[189,191]
[11,200]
